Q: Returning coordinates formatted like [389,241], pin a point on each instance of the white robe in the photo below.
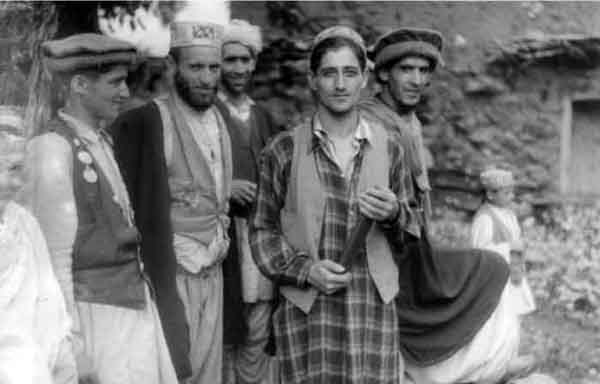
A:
[34,323]
[482,236]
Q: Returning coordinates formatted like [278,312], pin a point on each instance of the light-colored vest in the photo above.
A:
[302,214]
[195,207]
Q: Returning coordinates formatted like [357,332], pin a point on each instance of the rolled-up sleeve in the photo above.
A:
[272,253]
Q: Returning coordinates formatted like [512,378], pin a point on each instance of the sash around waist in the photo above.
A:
[203,227]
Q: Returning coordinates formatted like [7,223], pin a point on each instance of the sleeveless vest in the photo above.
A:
[195,207]
[107,267]
[302,214]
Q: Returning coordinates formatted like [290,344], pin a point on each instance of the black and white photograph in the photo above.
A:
[299,192]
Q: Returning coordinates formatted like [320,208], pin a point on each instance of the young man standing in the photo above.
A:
[335,323]
[404,62]
[250,127]
[176,157]
[77,193]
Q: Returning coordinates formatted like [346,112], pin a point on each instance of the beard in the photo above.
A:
[198,97]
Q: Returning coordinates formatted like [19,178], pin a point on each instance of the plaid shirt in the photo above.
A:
[349,336]
[273,254]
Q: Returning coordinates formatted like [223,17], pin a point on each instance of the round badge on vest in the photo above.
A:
[84,157]
[90,175]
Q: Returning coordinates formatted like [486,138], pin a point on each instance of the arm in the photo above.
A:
[270,250]
[49,194]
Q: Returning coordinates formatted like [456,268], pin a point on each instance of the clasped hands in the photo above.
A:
[377,203]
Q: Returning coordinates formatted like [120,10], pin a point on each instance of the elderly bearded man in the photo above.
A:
[335,323]
[176,157]
[250,127]
[79,197]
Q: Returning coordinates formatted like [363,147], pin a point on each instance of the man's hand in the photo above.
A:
[379,204]
[517,267]
[243,192]
[328,276]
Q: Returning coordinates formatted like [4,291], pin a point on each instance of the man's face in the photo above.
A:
[197,75]
[238,65]
[338,80]
[105,94]
[407,79]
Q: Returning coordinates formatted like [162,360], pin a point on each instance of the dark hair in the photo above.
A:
[175,53]
[334,43]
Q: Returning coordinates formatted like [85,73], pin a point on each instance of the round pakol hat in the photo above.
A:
[403,42]
[86,51]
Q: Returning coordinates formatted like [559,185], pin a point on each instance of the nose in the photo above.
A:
[417,77]
[124,90]
[205,77]
[340,83]
[238,67]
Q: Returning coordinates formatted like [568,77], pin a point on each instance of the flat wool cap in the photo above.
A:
[86,50]
[339,31]
[406,41]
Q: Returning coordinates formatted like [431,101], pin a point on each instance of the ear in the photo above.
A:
[383,75]
[366,75]
[79,84]
[253,63]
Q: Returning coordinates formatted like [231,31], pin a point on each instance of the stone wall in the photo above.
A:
[476,113]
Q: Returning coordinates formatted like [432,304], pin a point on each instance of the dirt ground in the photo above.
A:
[568,351]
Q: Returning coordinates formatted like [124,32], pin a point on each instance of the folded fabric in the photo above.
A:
[446,296]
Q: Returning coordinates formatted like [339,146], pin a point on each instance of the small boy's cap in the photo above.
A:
[494,179]
[196,33]
[86,50]
[406,41]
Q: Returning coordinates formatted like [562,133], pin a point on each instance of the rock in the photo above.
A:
[483,85]
[535,378]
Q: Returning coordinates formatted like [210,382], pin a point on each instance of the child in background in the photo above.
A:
[496,228]
[34,323]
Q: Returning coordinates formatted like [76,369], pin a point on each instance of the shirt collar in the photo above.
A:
[82,129]
[363,132]
[246,103]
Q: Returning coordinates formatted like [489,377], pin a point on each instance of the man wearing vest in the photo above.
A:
[78,195]
[176,156]
[250,127]
[404,61]
[335,323]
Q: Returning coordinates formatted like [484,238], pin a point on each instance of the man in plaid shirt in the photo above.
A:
[334,323]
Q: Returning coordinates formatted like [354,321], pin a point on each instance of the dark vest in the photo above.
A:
[107,267]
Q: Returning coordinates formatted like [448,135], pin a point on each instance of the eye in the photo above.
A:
[214,67]
[351,72]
